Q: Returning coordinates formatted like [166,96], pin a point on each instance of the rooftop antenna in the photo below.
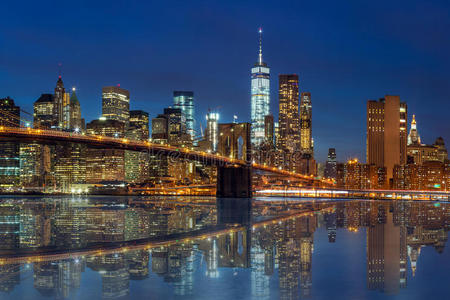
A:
[260,46]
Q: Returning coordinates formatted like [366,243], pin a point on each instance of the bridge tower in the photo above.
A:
[234,141]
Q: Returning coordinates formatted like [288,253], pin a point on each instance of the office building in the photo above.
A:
[212,129]
[105,164]
[330,166]
[43,111]
[429,175]
[137,162]
[269,130]
[59,103]
[69,165]
[116,104]
[413,136]
[9,151]
[441,149]
[75,121]
[306,140]
[184,100]
[386,133]
[288,116]
[359,176]
[160,130]
[260,96]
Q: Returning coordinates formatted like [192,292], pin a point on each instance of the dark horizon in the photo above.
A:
[344,55]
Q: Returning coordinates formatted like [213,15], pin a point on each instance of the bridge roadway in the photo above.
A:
[30,255]
[353,194]
[20,134]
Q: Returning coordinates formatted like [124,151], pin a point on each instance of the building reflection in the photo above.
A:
[278,255]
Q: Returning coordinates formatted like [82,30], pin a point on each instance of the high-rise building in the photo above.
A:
[184,100]
[330,167]
[413,136]
[116,104]
[386,133]
[441,149]
[269,129]
[75,122]
[58,107]
[212,129]
[136,163]
[306,141]
[66,111]
[43,111]
[9,151]
[69,164]
[139,120]
[260,96]
[160,130]
[288,116]
[168,128]
[105,164]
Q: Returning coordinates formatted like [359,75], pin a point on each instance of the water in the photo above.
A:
[197,248]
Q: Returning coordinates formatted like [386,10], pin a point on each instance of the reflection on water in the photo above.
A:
[229,249]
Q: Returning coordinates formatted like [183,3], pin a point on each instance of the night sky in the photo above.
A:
[345,53]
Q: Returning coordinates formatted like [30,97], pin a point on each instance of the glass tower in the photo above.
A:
[212,129]
[260,96]
[185,101]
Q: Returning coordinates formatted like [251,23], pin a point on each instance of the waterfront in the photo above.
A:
[200,248]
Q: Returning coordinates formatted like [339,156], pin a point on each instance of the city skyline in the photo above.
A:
[335,74]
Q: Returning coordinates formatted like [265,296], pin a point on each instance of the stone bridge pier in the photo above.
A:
[234,142]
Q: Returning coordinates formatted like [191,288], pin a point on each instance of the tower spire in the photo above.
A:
[260,61]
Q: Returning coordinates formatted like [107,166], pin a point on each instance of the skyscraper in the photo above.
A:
[413,136]
[269,129]
[212,129]
[260,96]
[116,104]
[75,112]
[136,163]
[139,120]
[9,151]
[105,163]
[58,107]
[43,111]
[386,133]
[306,141]
[330,167]
[184,100]
[288,117]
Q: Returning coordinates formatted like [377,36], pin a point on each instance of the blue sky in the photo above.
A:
[345,53]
